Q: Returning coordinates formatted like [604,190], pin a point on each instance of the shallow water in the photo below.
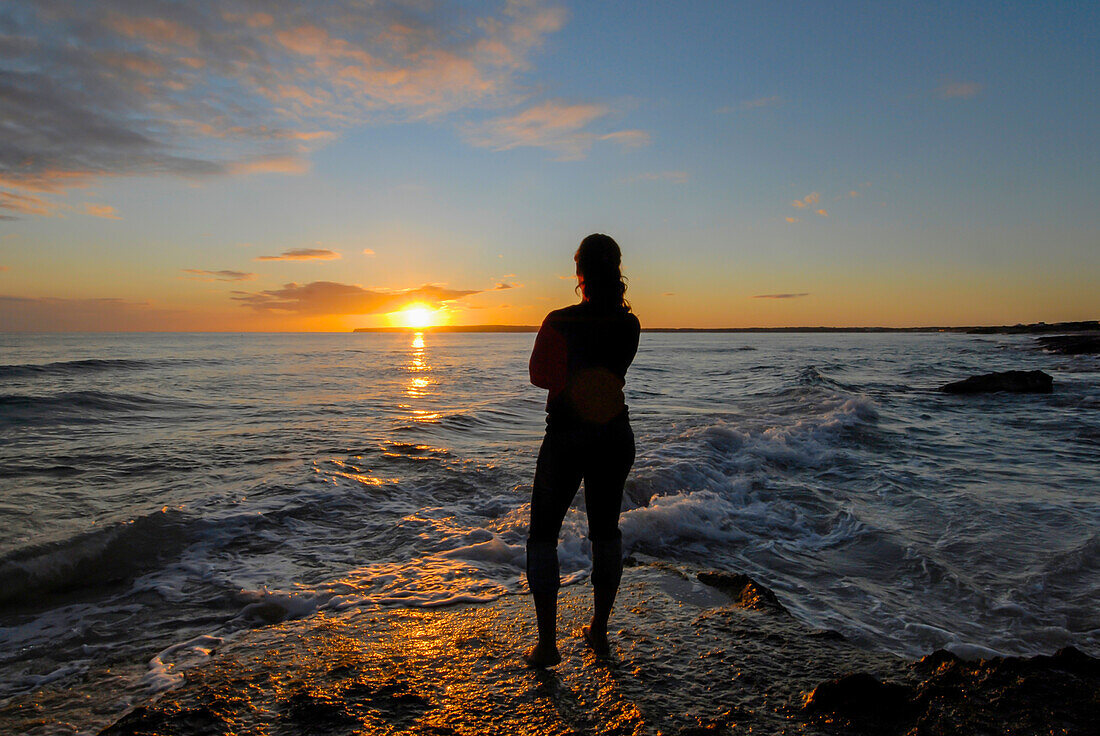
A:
[156,488]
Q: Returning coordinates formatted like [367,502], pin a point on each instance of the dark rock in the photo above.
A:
[1021,382]
[1012,695]
[151,721]
[934,661]
[1074,661]
[859,697]
[744,590]
[313,709]
[1071,344]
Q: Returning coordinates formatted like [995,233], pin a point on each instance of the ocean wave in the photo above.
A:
[76,406]
[100,557]
[81,367]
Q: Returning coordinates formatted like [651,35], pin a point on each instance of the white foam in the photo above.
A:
[165,669]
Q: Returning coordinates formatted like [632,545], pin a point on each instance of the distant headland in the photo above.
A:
[1035,328]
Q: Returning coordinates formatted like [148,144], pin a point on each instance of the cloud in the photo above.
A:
[669,293]
[25,204]
[674,177]
[810,199]
[302,254]
[105,211]
[219,275]
[368,252]
[759,102]
[270,165]
[328,297]
[822,212]
[153,87]
[3,268]
[959,90]
[555,125]
[501,286]
[792,219]
[781,296]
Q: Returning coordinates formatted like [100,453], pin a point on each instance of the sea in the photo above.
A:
[161,493]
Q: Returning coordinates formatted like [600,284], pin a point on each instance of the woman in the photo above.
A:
[581,355]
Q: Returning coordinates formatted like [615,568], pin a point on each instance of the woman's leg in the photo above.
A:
[604,479]
[557,477]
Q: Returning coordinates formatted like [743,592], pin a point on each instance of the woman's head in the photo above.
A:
[601,281]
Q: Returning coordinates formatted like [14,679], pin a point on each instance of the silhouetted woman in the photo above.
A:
[581,355]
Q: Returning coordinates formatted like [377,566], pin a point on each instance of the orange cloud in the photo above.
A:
[627,138]
[154,30]
[558,126]
[822,212]
[271,165]
[26,204]
[810,199]
[960,90]
[331,298]
[105,211]
[219,275]
[138,64]
[302,254]
[49,180]
[792,219]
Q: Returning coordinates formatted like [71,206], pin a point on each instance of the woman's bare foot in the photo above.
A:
[542,655]
[596,638]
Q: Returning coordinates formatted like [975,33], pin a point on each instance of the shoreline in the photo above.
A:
[688,658]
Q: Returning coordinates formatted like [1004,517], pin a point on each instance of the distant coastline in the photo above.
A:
[1035,328]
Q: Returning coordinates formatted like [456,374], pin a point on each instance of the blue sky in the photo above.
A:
[760,163]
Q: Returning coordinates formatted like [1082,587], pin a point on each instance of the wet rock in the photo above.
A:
[934,661]
[745,591]
[152,721]
[1020,382]
[1071,344]
[1036,695]
[859,698]
[311,709]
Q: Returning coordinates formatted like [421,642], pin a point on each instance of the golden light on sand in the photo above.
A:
[418,316]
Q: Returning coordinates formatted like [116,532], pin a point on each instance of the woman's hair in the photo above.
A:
[601,281]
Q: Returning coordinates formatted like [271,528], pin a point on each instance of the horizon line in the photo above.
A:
[1019,327]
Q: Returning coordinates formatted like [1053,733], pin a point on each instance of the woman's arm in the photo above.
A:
[548,366]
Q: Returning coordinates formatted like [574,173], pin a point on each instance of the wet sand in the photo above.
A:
[687,658]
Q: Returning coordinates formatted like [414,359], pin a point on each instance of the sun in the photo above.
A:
[417,316]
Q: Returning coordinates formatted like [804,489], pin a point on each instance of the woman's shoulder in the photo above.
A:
[572,313]
[585,312]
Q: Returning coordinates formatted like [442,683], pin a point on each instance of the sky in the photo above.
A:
[270,165]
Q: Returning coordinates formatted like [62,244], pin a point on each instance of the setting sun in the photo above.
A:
[417,316]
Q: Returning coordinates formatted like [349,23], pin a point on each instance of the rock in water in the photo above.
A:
[859,697]
[1071,344]
[744,590]
[1019,382]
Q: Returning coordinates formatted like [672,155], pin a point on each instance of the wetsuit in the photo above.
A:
[581,356]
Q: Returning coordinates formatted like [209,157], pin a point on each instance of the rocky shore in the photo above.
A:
[689,657]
